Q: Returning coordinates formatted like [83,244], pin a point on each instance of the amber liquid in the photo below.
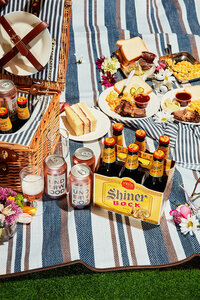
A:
[33,197]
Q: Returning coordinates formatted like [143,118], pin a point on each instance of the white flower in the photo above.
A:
[2,219]
[189,225]
[110,65]
[167,75]
[163,117]
[79,58]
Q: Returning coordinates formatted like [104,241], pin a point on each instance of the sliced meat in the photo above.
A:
[139,112]
[187,116]
[126,109]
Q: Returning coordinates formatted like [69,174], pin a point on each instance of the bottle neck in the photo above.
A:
[157,168]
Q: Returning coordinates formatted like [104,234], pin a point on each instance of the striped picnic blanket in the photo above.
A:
[100,239]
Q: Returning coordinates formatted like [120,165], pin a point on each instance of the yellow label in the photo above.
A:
[127,197]
[23,113]
[109,155]
[5,124]
[157,169]
[131,162]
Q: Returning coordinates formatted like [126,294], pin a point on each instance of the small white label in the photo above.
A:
[80,195]
[56,185]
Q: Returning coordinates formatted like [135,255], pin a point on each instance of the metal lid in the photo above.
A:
[54,161]
[6,85]
[80,171]
[84,153]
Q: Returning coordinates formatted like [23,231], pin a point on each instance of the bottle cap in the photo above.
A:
[109,141]
[21,100]
[3,111]
[140,133]
[118,126]
[134,148]
[164,139]
[159,154]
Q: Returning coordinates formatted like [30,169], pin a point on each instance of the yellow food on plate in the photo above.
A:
[195,105]
[113,100]
[184,70]
[171,106]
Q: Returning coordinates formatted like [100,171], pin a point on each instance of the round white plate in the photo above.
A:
[103,125]
[171,94]
[23,22]
[152,108]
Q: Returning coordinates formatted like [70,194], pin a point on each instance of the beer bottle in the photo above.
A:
[132,168]
[22,110]
[108,165]
[155,180]
[5,123]
[117,133]
[164,144]
[140,139]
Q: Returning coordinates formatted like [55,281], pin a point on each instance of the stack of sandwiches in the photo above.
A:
[133,53]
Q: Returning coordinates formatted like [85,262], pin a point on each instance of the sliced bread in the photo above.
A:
[135,82]
[131,49]
[194,91]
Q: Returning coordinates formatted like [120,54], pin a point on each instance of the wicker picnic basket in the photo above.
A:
[15,156]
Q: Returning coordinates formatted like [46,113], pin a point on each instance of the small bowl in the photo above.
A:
[183,98]
[142,100]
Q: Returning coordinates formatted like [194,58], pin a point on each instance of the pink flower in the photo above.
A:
[160,66]
[11,219]
[99,62]
[182,211]
[108,80]
[6,192]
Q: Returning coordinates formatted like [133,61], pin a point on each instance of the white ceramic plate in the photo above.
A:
[171,95]
[152,108]
[100,131]
[22,22]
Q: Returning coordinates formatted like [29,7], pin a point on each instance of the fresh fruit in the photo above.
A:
[20,200]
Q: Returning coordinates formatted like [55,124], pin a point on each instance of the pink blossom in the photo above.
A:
[6,192]
[11,219]
[108,80]
[99,62]
[182,211]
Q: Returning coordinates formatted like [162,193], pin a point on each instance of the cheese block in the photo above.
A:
[135,82]
[194,91]
[131,49]
[80,118]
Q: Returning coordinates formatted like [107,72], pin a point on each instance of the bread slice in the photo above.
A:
[80,118]
[135,82]
[131,49]
[194,91]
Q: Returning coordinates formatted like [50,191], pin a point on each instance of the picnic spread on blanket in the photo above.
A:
[99,134]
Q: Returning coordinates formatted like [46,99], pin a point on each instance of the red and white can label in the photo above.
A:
[80,195]
[56,185]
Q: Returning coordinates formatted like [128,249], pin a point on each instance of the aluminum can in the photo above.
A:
[84,156]
[8,97]
[55,176]
[80,186]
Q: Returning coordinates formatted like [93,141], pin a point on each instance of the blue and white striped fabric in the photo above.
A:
[100,239]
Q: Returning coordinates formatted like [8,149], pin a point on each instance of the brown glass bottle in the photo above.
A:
[22,111]
[155,180]
[108,165]
[118,133]
[140,139]
[5,123]
[164,144]
[131,168]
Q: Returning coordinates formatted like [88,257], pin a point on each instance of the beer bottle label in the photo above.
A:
[5,124]
[109,155]
[56,185]
[23,113]
[142,145]
[118,140]
[165,150]
[131,162]
[157,169]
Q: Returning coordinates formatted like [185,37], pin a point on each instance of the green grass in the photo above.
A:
[78,282]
